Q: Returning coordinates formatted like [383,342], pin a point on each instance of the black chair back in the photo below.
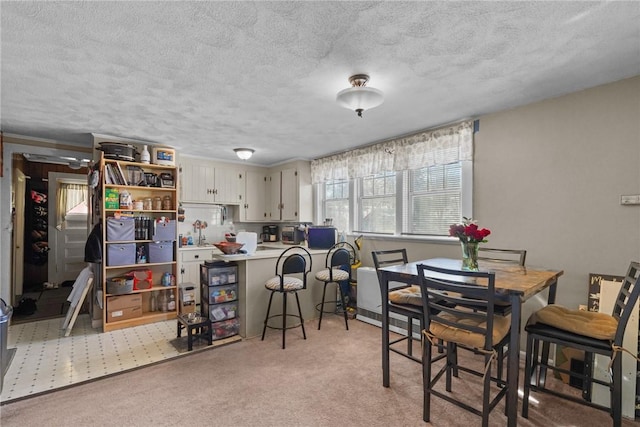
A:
[389,257]
[626,300]
[294,260]
[503,255]
[465,295]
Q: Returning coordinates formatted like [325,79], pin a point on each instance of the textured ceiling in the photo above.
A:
[206,77]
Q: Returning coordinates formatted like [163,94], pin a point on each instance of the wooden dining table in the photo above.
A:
[514,285]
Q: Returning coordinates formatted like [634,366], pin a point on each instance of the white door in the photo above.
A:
[66,240]
[18,233]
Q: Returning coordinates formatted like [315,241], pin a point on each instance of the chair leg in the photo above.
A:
[486,392]
[616,391]
[542,376]
[304,334]
[426,381]
[284,316]
[266,319]
[344,306]
[452,361]
[324,292]
[409,335]
[528,376]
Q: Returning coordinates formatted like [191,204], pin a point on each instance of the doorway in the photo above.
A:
[49,251]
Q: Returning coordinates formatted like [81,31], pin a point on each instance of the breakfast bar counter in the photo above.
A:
[254,270]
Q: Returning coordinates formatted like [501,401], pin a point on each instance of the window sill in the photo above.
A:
[440,240]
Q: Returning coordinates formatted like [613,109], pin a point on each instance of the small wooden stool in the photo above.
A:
[197,327]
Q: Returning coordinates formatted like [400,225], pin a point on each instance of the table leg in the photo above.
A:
[513,362]
[384,287]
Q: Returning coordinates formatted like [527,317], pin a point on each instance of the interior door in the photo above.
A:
[20,181]
[66,259]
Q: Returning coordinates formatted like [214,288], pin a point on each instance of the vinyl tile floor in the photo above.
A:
[45,359]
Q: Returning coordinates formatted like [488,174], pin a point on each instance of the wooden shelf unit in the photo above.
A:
[157,268]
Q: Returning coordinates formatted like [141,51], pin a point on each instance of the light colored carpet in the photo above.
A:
[332,378]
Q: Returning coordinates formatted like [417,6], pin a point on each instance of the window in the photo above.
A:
[434,199]
[377,204]
[336,203]
[416,184]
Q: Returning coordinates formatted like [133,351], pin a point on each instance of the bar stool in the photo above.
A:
[292,268]
[338,269]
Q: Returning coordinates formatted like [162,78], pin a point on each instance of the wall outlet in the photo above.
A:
[630,199]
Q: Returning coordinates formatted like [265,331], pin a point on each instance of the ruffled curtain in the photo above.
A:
[437,147]
[69,196]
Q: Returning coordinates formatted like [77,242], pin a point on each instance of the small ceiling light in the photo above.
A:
[244,153]
[359,97]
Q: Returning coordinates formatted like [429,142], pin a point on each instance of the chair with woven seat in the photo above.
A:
[591,332]
[292,268]
[405,300]
[515,256]
[458,308]
[337,269]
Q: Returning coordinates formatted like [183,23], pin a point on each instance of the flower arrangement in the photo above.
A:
[469,232]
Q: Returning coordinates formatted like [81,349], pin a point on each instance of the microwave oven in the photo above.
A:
[291,235]
[321,237]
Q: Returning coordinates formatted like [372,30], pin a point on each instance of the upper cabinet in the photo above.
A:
[206,182]
[290,193]
[254,206]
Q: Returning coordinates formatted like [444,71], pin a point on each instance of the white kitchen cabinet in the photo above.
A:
[290,193]
[190,261]
[203,182]
[254,206]
[283,203]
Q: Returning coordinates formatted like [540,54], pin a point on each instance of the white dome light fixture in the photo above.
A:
[359,97]
[244,153]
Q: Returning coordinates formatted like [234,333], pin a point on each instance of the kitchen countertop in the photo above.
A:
[270,250]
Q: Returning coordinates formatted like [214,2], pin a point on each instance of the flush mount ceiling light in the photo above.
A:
[244,153]
[359,97]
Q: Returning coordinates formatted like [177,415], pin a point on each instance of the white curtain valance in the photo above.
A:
[438,147]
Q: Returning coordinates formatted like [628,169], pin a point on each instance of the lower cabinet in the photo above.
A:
[190,261]
[219,297]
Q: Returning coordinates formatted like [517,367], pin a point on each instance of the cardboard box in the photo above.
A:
[187,298]
[124,301]
[124,314]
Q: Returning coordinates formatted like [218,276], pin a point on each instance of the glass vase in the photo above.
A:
[470,256]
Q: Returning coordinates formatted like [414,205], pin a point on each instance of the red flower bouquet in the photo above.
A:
[469,232]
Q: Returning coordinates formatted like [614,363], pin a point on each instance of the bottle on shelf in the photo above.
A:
[154,302]
[171,305]
[145,157]
[163,301]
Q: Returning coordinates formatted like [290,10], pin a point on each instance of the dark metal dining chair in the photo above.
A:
[448,297]
[591,332]
[292,268]
[404,300]
[513,256]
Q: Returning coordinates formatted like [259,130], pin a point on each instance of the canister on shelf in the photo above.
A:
[125,200]
[138,205]
[147,203]
[167,203]
[157,203]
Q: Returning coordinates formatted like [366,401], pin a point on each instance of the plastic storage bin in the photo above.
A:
[219,312]
[218,273]
[225,329]
[219,294]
